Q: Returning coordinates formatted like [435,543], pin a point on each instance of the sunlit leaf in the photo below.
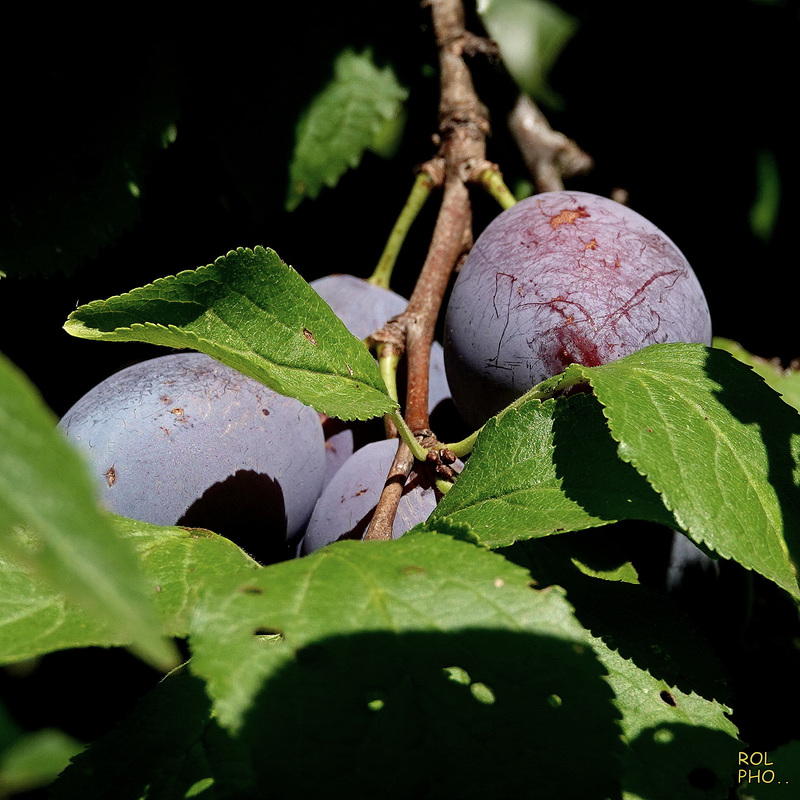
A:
[254,313]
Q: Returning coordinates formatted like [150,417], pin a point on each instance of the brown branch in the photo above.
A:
[451,238]
[463,128]
[380,526]
[549,155]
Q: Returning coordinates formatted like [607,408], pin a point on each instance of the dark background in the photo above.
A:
[674,106]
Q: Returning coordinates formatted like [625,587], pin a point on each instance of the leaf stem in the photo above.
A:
[542,391]
[492,180]
[407,435]
[420,191]
[572,376]
[464,447]
[388,361]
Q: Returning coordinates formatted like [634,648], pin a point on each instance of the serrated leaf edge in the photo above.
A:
[695,536]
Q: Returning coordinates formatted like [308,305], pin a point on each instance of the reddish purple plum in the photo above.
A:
[560,278]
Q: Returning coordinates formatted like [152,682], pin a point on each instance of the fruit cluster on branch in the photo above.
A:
[559,278]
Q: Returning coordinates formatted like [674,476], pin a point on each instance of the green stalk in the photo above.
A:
[420,191]
[492,180]
[549,388]
[543,391]
[417,450]
[443,486]
[388,361]
[462,448]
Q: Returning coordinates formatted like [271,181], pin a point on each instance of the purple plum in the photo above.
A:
[184,440]
[347,503]
[560,278]
[365,308]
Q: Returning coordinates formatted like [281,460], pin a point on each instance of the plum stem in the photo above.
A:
[406,434]
[389,356]
[443,485]
[388,361]
[424,183]
[492,180]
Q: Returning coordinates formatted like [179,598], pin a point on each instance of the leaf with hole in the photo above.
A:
[426,651]
[676,744]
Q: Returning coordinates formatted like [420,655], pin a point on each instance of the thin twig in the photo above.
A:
[550,156]
[463,128]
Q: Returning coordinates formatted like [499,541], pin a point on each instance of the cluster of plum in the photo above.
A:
[560,277]
[184,440]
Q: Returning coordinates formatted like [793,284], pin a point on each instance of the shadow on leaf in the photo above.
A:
[472,714]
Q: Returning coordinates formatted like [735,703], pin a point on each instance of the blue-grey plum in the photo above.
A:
[348,501]
[560,278]
[365,308]
[362,306]
[184,440]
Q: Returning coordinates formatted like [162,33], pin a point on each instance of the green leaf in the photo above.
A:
[425,651]
[716,443]
[767,201]
[531,35]
[704,433]
[35,760]
[353,113]
[168,748]
[175,562]
[545,468]
[786,382]
[768,774]
[45,490]
[179,563]
[254,313]
[677,744]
